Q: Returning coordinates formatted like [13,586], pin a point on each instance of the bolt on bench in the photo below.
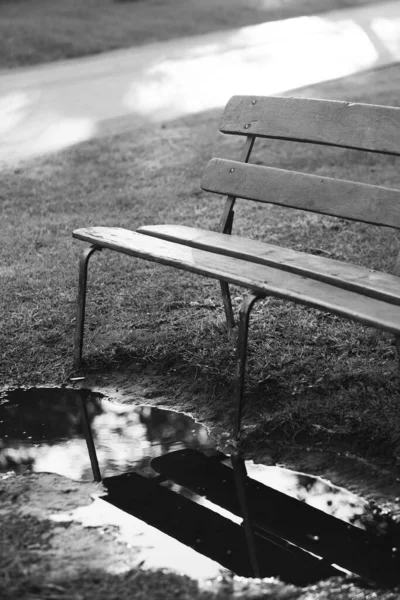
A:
[357,293]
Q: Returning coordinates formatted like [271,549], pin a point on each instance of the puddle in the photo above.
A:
[161,471]
[41,430]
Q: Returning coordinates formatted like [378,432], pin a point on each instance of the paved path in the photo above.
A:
[52,106]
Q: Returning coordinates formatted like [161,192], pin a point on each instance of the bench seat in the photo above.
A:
[382,286]
[248,265]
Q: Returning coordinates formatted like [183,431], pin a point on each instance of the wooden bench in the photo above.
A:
[347,290]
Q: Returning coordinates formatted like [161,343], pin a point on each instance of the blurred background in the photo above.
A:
[74,70]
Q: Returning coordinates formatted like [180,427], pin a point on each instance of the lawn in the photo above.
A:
[33,32]
[312,377]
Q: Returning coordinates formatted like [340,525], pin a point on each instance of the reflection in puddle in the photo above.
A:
[161,471]
[276,518]
[41,430]
[315,491]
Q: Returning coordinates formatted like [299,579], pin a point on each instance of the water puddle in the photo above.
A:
[161,472]
[42,430]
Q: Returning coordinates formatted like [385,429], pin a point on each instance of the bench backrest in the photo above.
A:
[347,125]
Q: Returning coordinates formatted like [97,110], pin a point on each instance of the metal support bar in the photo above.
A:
[225,226]
[229,219]
[227,302]
[226,221]
[245,311]
[89,439]
[240,474]
[81,303]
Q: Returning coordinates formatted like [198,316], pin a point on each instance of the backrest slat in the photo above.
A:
[337,197]
[344,124]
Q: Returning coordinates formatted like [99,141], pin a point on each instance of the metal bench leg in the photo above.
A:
[226,299]
[226,295]
[81,303]
[240,474]
[245,311]
[89,438]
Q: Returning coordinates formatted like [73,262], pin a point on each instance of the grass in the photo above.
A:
[33,32]
[312,377]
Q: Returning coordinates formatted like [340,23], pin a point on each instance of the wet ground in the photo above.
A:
[162,471]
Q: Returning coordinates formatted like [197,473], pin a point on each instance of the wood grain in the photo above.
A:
[340,198]
[376,284]
[261,279]
[348,125]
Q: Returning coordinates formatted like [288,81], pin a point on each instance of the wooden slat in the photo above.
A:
[337,197]
[348,276]
[344,124]
[259,278]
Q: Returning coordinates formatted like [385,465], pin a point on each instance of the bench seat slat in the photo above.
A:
[337,197]
[381,286]
[259,278]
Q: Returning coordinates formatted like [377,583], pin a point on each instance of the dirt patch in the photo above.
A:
[39,494]
[172,386]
